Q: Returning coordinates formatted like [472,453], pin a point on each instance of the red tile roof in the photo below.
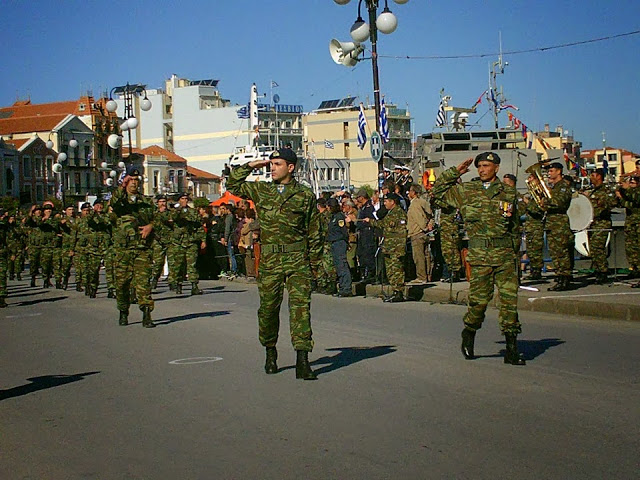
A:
[196,172]
[27,109]
[17,142]
[30,124]
[158,151]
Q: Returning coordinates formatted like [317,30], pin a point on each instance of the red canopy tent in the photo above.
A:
[228,197]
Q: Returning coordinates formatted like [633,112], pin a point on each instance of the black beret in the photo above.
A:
[362,193]
[322,202]
[98,201]
[183,194]
[286,154]
[392,196]
[510,177]
[161,197]
[133,171]
[37,207]
[557,165]
[332,202]
[85,205]
[487,156]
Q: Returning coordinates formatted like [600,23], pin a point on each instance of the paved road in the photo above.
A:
[86,399]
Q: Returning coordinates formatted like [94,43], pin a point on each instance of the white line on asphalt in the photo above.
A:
[25,315]
[586,295]
[217,304]
[194,360]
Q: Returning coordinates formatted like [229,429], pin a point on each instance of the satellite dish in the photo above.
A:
[276,98]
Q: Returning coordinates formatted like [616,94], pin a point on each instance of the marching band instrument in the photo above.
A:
[535,183]
[580,213]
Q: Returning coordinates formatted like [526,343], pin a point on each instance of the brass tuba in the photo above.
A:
[538,189]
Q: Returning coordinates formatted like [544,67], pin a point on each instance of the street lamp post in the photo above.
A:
[128,92]
[346,53]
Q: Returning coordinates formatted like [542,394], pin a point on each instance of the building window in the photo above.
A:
[39,167]
[156,179]
[49,165]
[26,167]
[39,193]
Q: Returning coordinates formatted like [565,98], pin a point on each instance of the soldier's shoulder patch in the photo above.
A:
[341,223]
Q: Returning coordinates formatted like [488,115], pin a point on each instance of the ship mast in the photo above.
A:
[496,96]
[253,115]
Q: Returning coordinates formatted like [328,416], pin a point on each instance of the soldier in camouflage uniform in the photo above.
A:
[82,242]
[394,245]
[559,234]
[534,234]
[161,239]
[45,232]
[98,239]
[4,257]
[187,237]
[109,258]
[132,237]
[629,196]
[291,251]
[602,199]
[450,241]
[488,208]
[15,246]
[69,236]
[34,245]
[326,276]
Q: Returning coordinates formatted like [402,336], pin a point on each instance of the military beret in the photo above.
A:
[85,205]
[98,201]
[133,171]
[161,197]
[322,202]
[557,165]
[286,154]
[332,202]
[392,196]
[37,207]
[488,157]
[183,195]
[510,177]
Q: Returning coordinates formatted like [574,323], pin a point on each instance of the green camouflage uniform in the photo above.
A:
[67,249]
[132,253]
[394,246]
[291,250]
[45,242]
[489,216]
[326,275]
[34,246]
[16,237]
[161,241]
[559,236]
[98,240]
[186,237]
[4,256]
[450,239]
[602,199]
[631,201]
[534,233]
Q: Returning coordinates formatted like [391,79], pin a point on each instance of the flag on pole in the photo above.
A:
[243,112]
[362,134]
[122,175]
[605,162]
[274,84]
[328,144]
[384,124]
[441,118]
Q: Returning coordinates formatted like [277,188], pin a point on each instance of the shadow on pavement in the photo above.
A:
[347,356]
[41,383]
[189,316]
[20,294]
[531,349]
[42,300]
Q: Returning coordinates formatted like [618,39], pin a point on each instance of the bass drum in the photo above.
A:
[582,242]
[580,213]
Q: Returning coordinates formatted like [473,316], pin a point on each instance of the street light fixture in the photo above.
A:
[130,121]
[346,53]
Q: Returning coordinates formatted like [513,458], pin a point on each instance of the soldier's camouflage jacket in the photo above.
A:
[187,227]
[394,230]
[556,208]
[129,213]
[603,199]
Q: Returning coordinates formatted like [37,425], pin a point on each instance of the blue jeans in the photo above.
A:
[232,258]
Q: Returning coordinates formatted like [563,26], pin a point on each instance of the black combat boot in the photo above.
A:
[195,290]
[178,289]
[303,369]
[133,296]
[397,297]
[172,287]
[92,292]
[3,304]
[154,284]
[535,275]
[18,276]
[111,293]
[58,284]
[271,364]
[47,283]
[560,286]
[512,356]
[468,339]
[146,318]
[124,319]
[65,283]
[12,276]
[601,278]
[79,288]
[33,280]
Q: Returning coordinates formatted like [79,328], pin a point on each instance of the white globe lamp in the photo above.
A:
[133,122]
[401,2]
[360,31]
[121,165]
[145,105]
[73,143]
[387,22]
[124,126]
[112,106]
[114,141]
[49,144]
[62,157]
[113,174]
[103,165]
[109,182]
[342,2]
[57,168]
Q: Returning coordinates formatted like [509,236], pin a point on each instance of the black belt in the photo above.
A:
[490,242]
[291,247]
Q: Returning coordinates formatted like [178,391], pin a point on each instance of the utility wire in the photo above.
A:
[513,52]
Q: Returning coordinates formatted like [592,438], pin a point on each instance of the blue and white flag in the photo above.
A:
[87,162]
[384,124]
[243,112]
[107,196]
[605,162]
[441,118]
[59,192]
[121,177]
[362,134]
[328,144]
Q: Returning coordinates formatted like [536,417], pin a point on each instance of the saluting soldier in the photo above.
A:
[559,234]
[603,199]
[291,250]
[132,237]
[34,246]
[338,237]
[394,245]
[45,230]
[488,207]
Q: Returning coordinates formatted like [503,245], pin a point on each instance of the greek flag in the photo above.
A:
[59,192]
[384,124]
[121,177]
[243,112]
[328,144]
[362,134]
[441,118]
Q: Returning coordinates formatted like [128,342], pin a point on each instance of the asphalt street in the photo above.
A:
[82,398]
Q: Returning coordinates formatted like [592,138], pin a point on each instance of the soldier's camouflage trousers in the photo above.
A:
[109,270]
[598,233]
[450,245]
[534,233]
[561,250]
[46,261]
[15,258]
[632,242]
[276,271]
[159,257]
[327,275]
[481,287]
[183,260]
[79,261]
[133,270]
[92,270]
[66,259]
[394,263]
[3,273]
[35,254]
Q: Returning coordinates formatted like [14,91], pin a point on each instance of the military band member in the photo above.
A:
[602,199]
[629,195]
[488,208]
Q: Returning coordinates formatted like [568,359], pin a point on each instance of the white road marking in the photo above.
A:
[25,315]
[586,295]
[194,360]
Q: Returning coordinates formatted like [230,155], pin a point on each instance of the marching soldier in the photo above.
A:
[98,239]
[629,195]
[559,236]
[488,208]
[132,237]
[4,256]
[394,245]
[45,231]
[15,246]
[187,237]
[161,239]
[69,234]
[82,242]
[34,247]
[603,200]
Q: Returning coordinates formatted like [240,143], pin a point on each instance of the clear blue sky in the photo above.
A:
[55,50]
